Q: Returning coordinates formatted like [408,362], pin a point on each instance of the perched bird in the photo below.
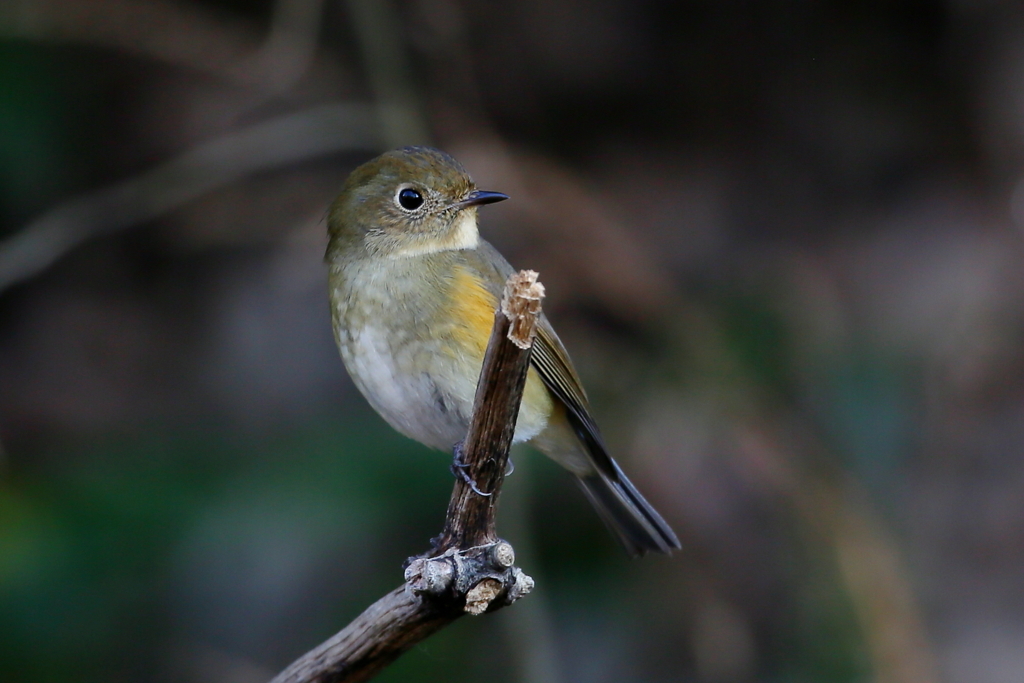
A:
[413,291]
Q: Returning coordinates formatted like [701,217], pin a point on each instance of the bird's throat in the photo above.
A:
[463,234]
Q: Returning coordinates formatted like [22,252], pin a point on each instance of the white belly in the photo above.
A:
[414,387]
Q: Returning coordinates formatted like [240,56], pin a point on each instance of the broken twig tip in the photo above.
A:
[480,596]
[521,305]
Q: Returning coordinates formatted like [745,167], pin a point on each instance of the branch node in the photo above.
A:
[503,554]
[521,585]
[432,576]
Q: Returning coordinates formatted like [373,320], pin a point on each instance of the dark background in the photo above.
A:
[782,241]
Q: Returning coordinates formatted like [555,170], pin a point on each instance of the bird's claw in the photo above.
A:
[458,470]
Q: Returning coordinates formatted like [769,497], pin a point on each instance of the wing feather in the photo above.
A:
[552,363]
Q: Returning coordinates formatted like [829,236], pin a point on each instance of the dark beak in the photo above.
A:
[481,197]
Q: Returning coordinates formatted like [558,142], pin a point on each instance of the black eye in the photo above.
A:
[410,199]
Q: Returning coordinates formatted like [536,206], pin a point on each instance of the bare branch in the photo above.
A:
[379,32]
[272,144]
[471,516]
[290,46]
[182,34]
[470,570]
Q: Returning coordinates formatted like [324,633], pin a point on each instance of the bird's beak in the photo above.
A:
[480,197]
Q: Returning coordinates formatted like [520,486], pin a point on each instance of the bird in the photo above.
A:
[413,289]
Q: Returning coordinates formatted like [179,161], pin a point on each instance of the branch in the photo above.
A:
[378,30]
[185,35]
[271,144]
[470,570]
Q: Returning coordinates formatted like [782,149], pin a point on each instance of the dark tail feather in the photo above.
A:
[631,518]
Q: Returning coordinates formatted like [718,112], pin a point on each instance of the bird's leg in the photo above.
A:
[458,469]
[510,466]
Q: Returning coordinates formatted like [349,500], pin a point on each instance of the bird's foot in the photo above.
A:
[458,469]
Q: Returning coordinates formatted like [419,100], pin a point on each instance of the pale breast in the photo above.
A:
[410,383]
[420,370]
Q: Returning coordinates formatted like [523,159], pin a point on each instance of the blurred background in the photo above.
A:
[782,241]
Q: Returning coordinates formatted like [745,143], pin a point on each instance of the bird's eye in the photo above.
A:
[409,199]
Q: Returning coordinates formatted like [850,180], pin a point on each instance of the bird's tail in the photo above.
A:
[636,524]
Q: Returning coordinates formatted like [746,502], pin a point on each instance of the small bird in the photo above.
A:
[413,291]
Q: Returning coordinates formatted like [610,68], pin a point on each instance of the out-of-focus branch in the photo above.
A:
[182,34]
[470,570]
[289,48]
[272,144]
[868,560]
[379,33]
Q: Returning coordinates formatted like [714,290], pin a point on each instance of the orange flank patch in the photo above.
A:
[473,307]
[473,310]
